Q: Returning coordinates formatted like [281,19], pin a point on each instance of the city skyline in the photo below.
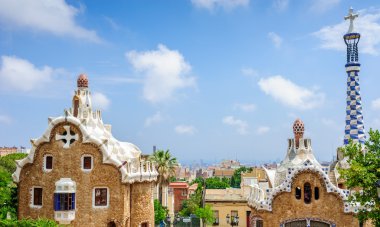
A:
[202,78]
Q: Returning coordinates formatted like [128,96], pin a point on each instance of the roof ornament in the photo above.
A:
[351,16]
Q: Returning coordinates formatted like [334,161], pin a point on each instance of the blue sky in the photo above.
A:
[207,79]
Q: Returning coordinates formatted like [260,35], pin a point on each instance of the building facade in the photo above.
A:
[77,173]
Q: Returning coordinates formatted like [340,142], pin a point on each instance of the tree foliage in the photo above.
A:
[29,223]
[205,214]
[160,212]
[217,183]
[363,172]
[236,178]
[190,205]
[166,166]
[8,189]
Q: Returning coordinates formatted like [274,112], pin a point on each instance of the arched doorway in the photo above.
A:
[307,222]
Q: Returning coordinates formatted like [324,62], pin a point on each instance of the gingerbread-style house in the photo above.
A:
[77,173]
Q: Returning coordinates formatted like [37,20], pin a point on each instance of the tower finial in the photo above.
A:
[298,130]
[82,81]
[351,16]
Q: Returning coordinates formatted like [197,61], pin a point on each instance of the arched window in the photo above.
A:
[298,192]
[316,193]
[307,193]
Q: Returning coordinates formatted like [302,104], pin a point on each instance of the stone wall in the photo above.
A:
[67,164]
[328,207]
[142,209]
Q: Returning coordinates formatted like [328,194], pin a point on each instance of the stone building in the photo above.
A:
[77,173]
[301,192]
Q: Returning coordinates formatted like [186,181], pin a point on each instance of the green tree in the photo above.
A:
[205,214]
[8,161]
[236,178]
[363,172]
[190,205]
[166,166]
[216,183]
[159,212]
[8,189]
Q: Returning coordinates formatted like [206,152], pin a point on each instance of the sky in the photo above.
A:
[206,79]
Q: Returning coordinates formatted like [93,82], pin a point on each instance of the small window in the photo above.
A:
[48,163]
[184,192]
[298,193]
[340,185]
[316,193]
[307,193]
[144,224]
[259,223]
[37,196]
[87,162]
[216,217]
[101,197]
[64,201]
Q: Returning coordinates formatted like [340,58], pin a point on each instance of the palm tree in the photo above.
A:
[166,166]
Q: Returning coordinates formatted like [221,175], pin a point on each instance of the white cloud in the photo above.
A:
[262,130]
[276,39]
[20,75]
[291,94]
[246,107]
[246,71]
[225,4]
[4,119]
[375,104]
[55,17]
[281,4]
[165,72]
[367,24]
[185,129]
[156,118]
[241,126]
[100,101]
[323,5]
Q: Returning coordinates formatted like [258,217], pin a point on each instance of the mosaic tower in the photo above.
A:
[354,118]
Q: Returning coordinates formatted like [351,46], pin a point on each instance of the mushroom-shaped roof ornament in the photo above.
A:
[82,81]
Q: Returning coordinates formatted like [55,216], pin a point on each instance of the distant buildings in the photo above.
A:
[11,150]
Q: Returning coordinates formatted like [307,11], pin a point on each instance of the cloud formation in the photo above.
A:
[18,74]
[368,24]
[240,125]
[290,94]
[262,130]
[281,5]
[375,104]
[276,39]
[225,4]
[56,17]
[246,107]
[100,101]
[185,129]
[156,118]
[165,71]
[4,119]
[321,6]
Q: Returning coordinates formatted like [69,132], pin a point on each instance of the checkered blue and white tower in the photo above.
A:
[354,117]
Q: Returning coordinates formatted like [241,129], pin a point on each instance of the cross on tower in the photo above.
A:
[67,137]
[351,16]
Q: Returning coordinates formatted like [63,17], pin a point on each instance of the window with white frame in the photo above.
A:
[87,162]
[48,163]
[100,197]
[37,197]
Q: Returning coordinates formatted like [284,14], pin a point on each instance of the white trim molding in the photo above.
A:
[31,204]
[44,163]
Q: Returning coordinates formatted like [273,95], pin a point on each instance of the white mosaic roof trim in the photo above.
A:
[261,201]
[123,155]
